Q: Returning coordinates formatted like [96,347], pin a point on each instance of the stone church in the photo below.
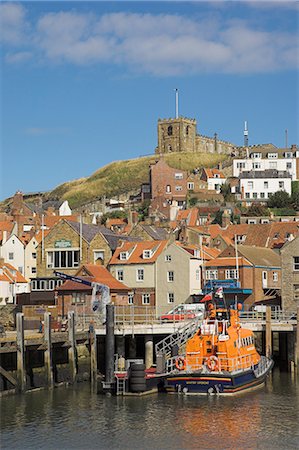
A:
[180,135]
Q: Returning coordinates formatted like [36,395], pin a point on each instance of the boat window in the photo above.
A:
[209,350]
[209,342]
[235,344]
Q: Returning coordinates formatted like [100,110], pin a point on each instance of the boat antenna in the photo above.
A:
[237,269]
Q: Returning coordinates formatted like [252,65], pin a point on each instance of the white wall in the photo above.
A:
[214,182]
[30,262]
[13,253]
[5,293]
[259,187]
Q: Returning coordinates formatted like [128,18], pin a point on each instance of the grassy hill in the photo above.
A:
[125,176]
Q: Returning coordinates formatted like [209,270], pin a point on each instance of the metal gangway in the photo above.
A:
[179,337]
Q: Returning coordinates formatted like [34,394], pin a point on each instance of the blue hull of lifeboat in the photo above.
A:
[213,383]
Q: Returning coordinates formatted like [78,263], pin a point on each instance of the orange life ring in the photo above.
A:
[180,363]
[213,364]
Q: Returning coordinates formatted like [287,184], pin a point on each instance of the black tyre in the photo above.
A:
[139,378]
[135,367]
[138,387]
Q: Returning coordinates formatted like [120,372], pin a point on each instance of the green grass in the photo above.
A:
[121,177]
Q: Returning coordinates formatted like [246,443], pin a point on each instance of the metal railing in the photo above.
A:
[131,315]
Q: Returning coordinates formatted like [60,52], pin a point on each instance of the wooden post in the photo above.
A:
[48,351]
[296,350]
[93,355]
[109,353]
[72,351]
[21,369]
[149,351]
[268,332]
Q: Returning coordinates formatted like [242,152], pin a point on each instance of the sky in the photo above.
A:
[84,83]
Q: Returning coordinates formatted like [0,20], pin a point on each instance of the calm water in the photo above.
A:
[68,418]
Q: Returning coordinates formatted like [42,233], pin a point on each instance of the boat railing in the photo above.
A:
[210,364]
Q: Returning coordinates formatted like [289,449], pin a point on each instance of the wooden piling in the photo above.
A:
[93,356]
[21,369]
[109,351]
[72,351]
[48,350]
[149,351]
[268,332]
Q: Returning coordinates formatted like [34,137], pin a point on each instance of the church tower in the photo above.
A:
[176,135]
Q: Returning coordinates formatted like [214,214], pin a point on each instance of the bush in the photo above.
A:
[257,210]
[279,199]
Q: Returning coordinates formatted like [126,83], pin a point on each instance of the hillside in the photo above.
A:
[125,176]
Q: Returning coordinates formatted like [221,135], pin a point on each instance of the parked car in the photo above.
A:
[183,312]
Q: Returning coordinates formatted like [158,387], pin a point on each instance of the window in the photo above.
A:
[272,165]
[20,269]
[131,298]
[251,221]
[120,275]
[33,269]
[254,195]
[240,165]
[247,195]
[147,254]
[296,292]
[296,262]
[168,188]
[170,276]
[187,130]
[272,155]
[178,176]
[256,155]
[262,194]
[289,165]
[123,255]
[250,185]
[281,184]
[197,275]
[167,258]
[169,130]
[62,259]
[34,285]
[10,256]
[140,274]
[51,285]
[178,188]
[266,184]
[33,255]
[78,298]
[98,255]
[231,274]
[145,299]
[288,155]
[211,274]
[190,186]
[170,297]
[275,276]
[256,165]
[264,220]
[42,285]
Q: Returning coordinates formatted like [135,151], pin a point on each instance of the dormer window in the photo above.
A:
[288,155]
[178,176]
[256,155]
[123,255]
[216,175]
[147,254]
[272,155]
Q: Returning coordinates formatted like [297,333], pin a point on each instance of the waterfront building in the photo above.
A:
[290,274]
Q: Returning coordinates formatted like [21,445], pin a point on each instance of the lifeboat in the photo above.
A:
[220,358]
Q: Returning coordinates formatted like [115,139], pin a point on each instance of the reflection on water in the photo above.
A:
[77,418]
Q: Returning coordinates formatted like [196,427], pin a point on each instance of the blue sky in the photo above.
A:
[83,83]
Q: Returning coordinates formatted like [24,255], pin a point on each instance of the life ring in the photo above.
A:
[180,363]
[213,364]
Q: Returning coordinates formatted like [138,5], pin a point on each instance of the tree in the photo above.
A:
[226,191]
[279,199]
[257,210]
[295,200]
[113,215]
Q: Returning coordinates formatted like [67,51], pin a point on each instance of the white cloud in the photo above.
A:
[18,57]
[12,23]
[160,44]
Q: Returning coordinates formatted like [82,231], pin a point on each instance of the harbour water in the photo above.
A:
[77,418]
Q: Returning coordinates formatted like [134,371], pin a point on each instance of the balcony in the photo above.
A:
[229,287]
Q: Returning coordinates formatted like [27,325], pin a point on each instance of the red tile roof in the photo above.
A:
[228,262]
[212,172]
[97,274]
[136,249]
[50,221]
[8,270]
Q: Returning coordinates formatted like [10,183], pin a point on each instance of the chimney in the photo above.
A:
[4,237]
[133,217]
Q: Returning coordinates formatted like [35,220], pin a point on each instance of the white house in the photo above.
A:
[64,209]
[258,185]
[30,257]
[261,158]
[12,283]
[214,177]
[13,252]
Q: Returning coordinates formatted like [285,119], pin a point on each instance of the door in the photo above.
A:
[264,278]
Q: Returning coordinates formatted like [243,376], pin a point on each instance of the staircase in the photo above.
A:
[121,384]
[179,338]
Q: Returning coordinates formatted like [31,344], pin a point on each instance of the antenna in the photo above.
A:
[286,135]
[176,103]
[245,134]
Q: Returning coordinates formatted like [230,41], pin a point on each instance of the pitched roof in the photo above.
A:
[12,273]
[50,221]
[212,172]
[157,233]
[135,252]
[97,274]
[225,261]
[188,215]
[260,256]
